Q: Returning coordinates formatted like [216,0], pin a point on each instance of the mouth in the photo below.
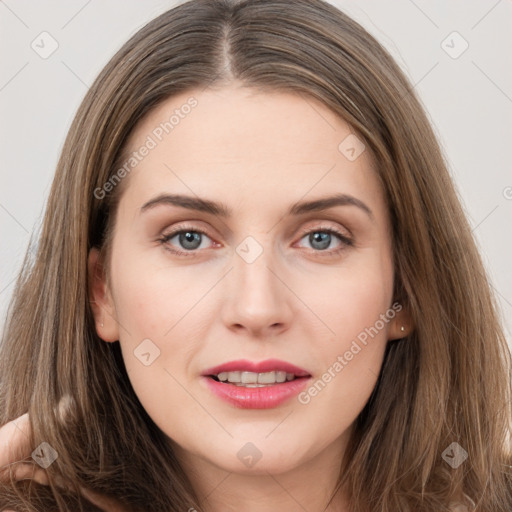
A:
[250,385]
[255,380]
[242,372]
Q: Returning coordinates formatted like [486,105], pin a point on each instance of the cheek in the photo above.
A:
[151,306]
[357,308]
[163,304]
[151,298]
[354,297]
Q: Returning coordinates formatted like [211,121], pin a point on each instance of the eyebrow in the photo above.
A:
[220,209]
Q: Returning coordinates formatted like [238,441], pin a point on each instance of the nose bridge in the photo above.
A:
[257,297]
[251,268]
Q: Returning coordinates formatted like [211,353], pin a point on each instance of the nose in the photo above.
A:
[258,299]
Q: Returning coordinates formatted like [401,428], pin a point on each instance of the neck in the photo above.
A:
[307,486]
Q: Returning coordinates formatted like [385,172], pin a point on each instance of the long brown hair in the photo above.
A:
[447,382]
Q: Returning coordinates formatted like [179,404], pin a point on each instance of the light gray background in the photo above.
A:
[468,99]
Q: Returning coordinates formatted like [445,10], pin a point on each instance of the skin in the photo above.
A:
[15,447]
[258,153]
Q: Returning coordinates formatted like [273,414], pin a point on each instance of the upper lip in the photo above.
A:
[268,365]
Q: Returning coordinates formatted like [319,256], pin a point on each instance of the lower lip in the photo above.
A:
[257,398]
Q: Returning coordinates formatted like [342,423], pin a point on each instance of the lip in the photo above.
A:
[266,397]
[268,365]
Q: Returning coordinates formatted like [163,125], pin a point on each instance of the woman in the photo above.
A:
[255,287]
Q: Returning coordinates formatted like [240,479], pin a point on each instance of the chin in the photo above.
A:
[258,458]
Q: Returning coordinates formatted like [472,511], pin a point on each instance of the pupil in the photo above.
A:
[188,240]
[323,239]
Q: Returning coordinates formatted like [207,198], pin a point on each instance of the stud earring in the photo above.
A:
[401,328]
[102,322]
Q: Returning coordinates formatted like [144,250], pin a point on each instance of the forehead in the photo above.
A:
[248,147]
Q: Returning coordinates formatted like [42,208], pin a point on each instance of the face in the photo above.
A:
[247,276]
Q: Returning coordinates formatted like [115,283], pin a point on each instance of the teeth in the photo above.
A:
[267,378]
[252,379]
[249,378]
[281,377]
[234,376]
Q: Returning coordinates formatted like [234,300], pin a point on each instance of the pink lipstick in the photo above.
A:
[250,385]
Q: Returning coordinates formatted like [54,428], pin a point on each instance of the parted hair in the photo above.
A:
[447,381]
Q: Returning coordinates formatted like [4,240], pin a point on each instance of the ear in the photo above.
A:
[100,298]
[401,325]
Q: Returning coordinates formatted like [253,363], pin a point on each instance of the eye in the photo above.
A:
[321,239]
[189,239]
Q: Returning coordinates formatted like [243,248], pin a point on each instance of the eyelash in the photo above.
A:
[346,242]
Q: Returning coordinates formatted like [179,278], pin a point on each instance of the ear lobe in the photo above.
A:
[100,298]
[401,325]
